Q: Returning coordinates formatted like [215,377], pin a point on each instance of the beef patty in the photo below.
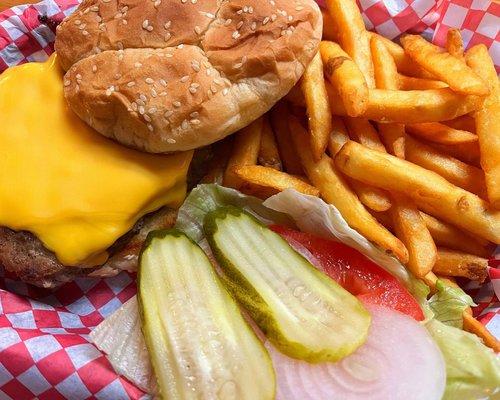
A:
[24,255]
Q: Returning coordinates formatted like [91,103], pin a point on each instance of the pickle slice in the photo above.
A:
[199,344]
[304,313]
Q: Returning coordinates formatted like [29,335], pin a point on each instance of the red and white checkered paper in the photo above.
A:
[44,348]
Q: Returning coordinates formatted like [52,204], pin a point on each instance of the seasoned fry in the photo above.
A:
[412,83]
[447,68]
[245,151]
[430,192]
[440,133]
[472,325]
[447,235]
[346,77]
[411,230]
[318,108]
[454,43]
[352,35]
[273,179]
[403,62]
[268,152]
[361,130]
[455,171]
[488,121]
[463,123]
[329,28]
[456,263]
[279,122]
[335,190]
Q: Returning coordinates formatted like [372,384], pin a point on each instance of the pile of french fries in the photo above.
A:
[403,140]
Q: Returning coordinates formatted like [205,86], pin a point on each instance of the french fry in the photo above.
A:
[361,130]
[217,165]
[352,35]
[386,77]
[318,108]
[488,121]
[273,179]
[403,62]
[338,137]
[447,68]
[335,190]
[456,263]
[454,43]
[455,171]
[346,77]
[279,122]
[430,192]
[472,325]
[447,235]
[412,83]
[246,146]
[268,152]
[463,123]
[329,29]
[411,230]
[440,133]
[296,97]
[466,152]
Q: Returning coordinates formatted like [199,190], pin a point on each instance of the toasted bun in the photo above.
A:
[172,75]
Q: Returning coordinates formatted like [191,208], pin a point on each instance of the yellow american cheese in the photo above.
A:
[74,189]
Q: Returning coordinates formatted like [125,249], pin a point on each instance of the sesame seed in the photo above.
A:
[169,55]
[195,65]
[167,24]
[192,90]
[110,90]
[118,15]
[197,29]
[85,33]
[228,22]
[149,81]
[147,118]
[238,65]
[102,27]
[152,110]
[98,18]
[273,17]
[168,35]
[67,83]
[138,65]
[209,15]
[170,140]
[253,26]
[272,2]
[163,82]
[299,8]
[290,18]
[218,81]
[124,22]
[134,106]
[141,110]
[225,91]
[266,20]
[195,121]
[177,104]
[244,59]
[239,12]
[250,9]
[163,94]
[194,114]
[245,9]
[181,46]
[235,35]
[194,1]
[168,113]
[149,28]
[184,125]
[77,22]
[153,93]
[78,76]
[183,1]
[209,71]
[77,88]
[118,76]
[145,24]
[157,3]
[150,127]
[213,88]
[184,78]
[240,24]
[130,84]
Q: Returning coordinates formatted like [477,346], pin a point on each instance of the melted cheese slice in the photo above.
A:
[77,191]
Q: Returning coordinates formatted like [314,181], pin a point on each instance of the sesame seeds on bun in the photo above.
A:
[173,75]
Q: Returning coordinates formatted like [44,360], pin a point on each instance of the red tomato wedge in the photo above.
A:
[354,272]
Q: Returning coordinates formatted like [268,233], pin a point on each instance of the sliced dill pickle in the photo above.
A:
[198,342]
[304,313]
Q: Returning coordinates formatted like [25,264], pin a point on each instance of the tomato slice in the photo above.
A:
[354,272]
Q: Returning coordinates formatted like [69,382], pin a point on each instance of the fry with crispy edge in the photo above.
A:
[440,133]
[318,108]
[412,83]
[268,152]
[453,170]
[335,190]
[457,263]
[246,147]
[488,121]
[346,77]
[279,122]
[372,197]
[454,43]
[352,35]
[361,130]
[431,192]
[443,65]
[273,179]
[411,106]
[411,230]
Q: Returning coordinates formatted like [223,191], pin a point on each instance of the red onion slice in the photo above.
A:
[398,361]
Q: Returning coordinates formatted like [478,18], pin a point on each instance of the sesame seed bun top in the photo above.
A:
[173,75]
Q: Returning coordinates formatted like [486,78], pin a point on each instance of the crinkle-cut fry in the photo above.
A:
[346,77]
[246,147]
[457,263]
[449,69]
[412,83]
[352,35]
[472,325]
[317,105]
[463,123]
[446,235]
[279,122]
[488,121]
[335,190]
[403,62]
[268,152]
[440,133]
[430,192]
[273,179]
[453,170]
[330,31]
[454,43]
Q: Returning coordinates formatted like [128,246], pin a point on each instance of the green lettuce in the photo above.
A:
[449,303]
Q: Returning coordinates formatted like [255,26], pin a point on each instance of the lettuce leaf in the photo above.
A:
[472,369]
[449,303]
